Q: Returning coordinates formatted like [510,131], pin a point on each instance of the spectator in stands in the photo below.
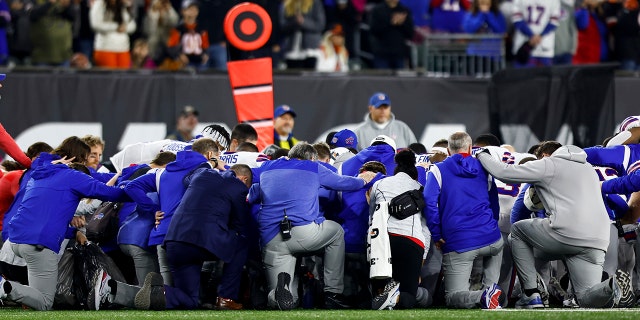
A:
[485,18]
[38,228]
[447,15]
[593,34]
[83,36]
[566,35]
[421,21]
[380,121]
[462,214]
[112,23]
[185,124]
[334,56]
[19,41]
[290,225]
[283,122]
[302,23]
[391,27]
[188,42]
[622,18]
[140,56]
[346,14]
[161,18]
[51,33]
[534,38]
[5,22]
[211,18]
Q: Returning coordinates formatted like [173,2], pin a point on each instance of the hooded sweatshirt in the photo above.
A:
[171,191]
[50,201]
[354,216]
[569,188]
[396,129]
[462,204]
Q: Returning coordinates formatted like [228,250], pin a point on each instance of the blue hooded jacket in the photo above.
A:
[462,207]
[354,216]
[26,176]
[172,189]
[50,201]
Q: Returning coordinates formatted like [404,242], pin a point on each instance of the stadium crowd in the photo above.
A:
[323,35]
[368,219]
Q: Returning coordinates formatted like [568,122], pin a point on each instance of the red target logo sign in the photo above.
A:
[247,26]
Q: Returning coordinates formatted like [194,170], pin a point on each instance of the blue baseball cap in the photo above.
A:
[345,138]
[282,110]
[378,99]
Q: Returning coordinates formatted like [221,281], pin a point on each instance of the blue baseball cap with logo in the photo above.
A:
[345,138]
[282,110]
[378,99]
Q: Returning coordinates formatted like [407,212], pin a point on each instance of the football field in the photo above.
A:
[428,314]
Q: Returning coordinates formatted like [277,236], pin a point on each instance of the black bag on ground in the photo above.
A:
[105,222]
[406,204]
[65,297]
[77,272]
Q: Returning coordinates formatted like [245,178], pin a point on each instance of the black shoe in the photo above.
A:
[151,295]
[284,298]
[623,281]
[335,301]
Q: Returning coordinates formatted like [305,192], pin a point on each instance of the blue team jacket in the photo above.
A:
[50,201]
[172,188]
[460,207]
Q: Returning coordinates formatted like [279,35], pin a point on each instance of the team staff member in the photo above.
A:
[288,192]
[462,214]
[205,153]
[577,226]
[38,228]
[283,122]
[209,224]
[380,121]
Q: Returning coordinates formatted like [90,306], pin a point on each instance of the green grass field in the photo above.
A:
[431,314]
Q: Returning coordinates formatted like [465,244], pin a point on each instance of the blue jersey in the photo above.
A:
[624,158]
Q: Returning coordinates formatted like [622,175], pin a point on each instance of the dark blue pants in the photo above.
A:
[185,263]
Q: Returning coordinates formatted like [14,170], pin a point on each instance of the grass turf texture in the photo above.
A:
[430,314]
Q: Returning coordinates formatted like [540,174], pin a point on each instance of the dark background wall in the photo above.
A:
[321,101]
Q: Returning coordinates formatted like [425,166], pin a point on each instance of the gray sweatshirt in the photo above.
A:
[569,188]
[396,129]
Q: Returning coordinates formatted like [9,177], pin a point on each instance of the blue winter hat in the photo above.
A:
[378,99]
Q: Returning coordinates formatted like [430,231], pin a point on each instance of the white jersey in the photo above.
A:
[145,152]
[537,14]
[252,159]
[507,192]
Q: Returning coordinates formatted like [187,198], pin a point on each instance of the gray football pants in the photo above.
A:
[42,270]
[143,260]
[280,256]
[457,270]
[163,264]
[584,264]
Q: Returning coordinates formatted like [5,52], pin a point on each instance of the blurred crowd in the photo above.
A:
[322,35]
